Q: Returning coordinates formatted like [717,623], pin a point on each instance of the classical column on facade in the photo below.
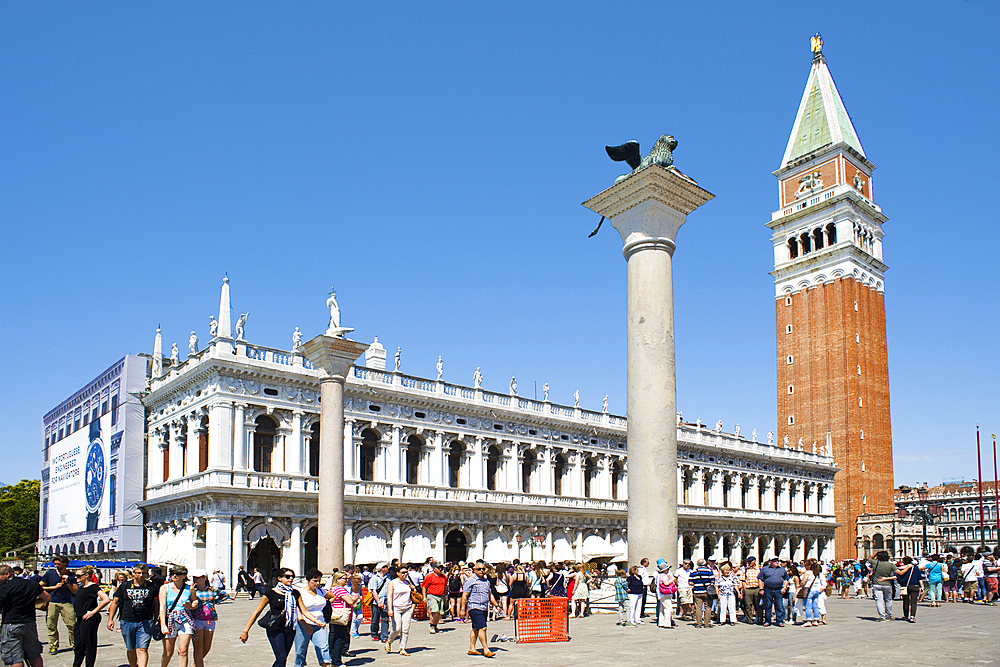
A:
[218,545]
[698,550]
[736,555]
[766,494]
[396,548]
[237,543]
[348,542]
[699,484]
[394,468]
[647,208]
[279,455]
[682,475]
[439,543]
[350,451]
[295,448]
[438,463]
[508,455]
[154,456]
[478,466]
[680,549]
[177,445]
[479,544]
[191,439]
[220,435]
[291,552]
[545,471]
[239,436]
[332,357]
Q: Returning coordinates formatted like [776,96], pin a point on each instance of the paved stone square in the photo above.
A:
[955,634]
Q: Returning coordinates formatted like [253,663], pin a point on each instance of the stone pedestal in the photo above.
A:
[332,357]
[647,209]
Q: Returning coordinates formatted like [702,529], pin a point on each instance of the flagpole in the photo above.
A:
[996,489]
[979,463]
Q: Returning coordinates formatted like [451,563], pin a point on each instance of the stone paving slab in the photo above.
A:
[955,634]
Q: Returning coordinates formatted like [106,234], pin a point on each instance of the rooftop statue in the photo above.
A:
[335,329]
[193,343]
[213,326]
[241,324]
[662,155]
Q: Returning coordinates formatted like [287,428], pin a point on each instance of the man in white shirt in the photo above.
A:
[612,570]
[685,594]
[971,572]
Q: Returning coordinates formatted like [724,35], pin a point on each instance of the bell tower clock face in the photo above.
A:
[94,475]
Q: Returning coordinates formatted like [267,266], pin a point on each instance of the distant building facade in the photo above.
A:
[435,468]
[832,360]
[92,476]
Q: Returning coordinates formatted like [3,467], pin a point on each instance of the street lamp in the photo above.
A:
[926,513]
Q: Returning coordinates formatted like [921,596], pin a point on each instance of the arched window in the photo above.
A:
[878,541]
[203,445]
[263,443]
[961,534]
[793,248]
[831,234]
[492,467]
[616,478]
[314,450]
[369,449]
[817,238]
[558,474]
[961,514]
[589,474]
[527,464]
[414,446]
[953,514]
[455,452]
[805,242]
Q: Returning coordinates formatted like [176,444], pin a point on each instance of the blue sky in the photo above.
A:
[429,160]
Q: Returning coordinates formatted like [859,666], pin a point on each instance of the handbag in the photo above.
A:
[416,598]
[156,631]
[711,591]
[340,615]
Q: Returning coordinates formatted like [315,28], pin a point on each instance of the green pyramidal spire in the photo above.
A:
[822,119]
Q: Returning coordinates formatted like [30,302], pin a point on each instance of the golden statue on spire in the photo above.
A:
[816,45]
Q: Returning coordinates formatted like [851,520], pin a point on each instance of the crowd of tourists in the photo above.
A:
[326,612]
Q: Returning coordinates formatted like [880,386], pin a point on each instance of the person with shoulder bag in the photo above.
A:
[665,589]
[342,603]
[908,577]
[314,599]
[284,603]
[378,585]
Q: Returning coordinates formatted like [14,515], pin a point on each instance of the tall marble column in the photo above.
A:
[240,437]
[332,357]
[239,557]
[648,208]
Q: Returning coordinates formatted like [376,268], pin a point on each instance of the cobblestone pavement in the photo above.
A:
[955,634]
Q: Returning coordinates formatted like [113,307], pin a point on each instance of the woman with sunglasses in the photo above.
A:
[176,622]
[205,597]
[285,607]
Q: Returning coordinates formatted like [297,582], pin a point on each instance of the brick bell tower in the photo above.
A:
[833,373]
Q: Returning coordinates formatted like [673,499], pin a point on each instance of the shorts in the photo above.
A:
[184,628]
[137,634]
[478,618]
[435,604]
[685,594]
[991,584]
[970,586]
[951,586]
[204,625]
[19,643]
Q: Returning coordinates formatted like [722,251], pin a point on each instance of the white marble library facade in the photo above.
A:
[438,469]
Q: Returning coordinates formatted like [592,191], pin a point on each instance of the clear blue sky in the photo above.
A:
[429,160]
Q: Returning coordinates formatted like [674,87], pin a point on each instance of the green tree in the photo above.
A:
[19,514]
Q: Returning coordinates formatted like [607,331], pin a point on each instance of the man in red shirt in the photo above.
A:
[435,586]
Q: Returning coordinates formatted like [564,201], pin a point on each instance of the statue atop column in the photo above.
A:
[440,368]
[604,404]
[477,379]
[175,356]
[335,329]
[395,367]
[296,339]
[576,398]
[513,386]
[545,392]
[213,326]
[193,343]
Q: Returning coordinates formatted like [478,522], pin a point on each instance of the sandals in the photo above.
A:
[471,652]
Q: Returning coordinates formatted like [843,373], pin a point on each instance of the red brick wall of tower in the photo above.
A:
[829,342]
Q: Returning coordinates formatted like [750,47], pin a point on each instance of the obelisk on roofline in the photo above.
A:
[332,354]
[647,207]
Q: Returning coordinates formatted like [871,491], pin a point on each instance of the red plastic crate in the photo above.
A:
[542,620]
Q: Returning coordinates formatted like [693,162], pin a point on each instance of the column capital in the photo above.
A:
[333,356]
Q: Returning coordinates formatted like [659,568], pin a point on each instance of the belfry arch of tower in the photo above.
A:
[829,278]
